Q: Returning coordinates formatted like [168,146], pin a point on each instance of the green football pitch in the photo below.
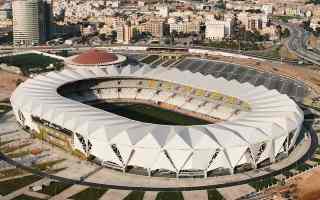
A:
[150,114]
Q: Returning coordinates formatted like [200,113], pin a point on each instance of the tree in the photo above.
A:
[19,81]
[174,33]
[285,33]
[220,4]
[114,35]
[135,34]
[103,37]
[317,32]
[58,66]
[279,31]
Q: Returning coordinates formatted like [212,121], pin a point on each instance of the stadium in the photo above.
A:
[235,126]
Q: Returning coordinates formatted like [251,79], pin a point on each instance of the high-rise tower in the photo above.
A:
[31,22]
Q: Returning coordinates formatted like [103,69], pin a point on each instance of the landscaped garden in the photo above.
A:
[214,195]
[25,197]
[169,196]
[135,195]
[54,188]
[31,62]
[8,186]
[89,193]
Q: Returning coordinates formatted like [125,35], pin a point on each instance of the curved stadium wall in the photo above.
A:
[252,124]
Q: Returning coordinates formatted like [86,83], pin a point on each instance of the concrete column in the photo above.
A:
[149,172]
[272,157]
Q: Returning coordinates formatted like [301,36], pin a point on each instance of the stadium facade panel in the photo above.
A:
[256,124]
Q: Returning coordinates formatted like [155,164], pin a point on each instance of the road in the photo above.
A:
[297,44]
[7,50]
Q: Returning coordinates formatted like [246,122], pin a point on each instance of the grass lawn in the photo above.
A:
[25,197]
[285,18]
[150,59]
[303,167]
[150,114]
[90,193]
[169,196]
[135,195]
[29,62]
[54,188]
[214,195]
[8,186]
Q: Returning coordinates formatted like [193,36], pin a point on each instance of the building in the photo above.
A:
[31,22]
[120,34]
[153,26]
[5,11]
[267,8]
[215,31]
[314,23]
[253,22]
[88,29]
[175,25]
[184,26]
[219,29]
[113,4]
[127,33]
[124,33]
[163,10]
[271,31]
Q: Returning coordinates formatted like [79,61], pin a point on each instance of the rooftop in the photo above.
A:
[94,56]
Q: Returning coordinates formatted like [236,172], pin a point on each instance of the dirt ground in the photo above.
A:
[308,185]
[8,83]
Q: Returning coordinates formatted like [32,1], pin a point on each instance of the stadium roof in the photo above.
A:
[271,119]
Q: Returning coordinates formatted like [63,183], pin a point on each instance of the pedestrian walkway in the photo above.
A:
[235,192]
[195,195]
[150,195]
[115,194]
[24,189]
[69,192]
[37,195]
